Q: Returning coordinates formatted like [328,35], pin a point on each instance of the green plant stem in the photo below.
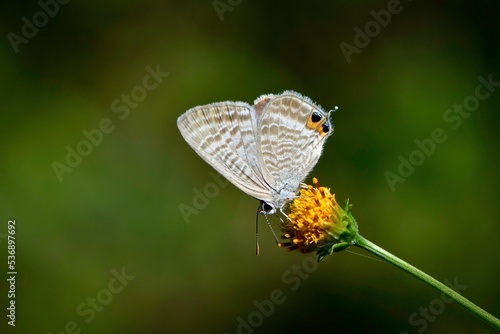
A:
[476,310]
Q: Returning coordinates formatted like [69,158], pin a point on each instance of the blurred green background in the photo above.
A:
[119,207]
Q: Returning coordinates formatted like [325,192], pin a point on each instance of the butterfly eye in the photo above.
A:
[316,117]
[266,208]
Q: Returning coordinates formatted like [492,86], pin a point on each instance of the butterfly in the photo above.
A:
[266,150]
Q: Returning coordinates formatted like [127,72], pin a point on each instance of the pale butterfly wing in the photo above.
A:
[224,135]
[266,150]
[291,133]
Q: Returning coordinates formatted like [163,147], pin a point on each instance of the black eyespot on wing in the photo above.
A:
[326,127]
[316,117]
[266,207]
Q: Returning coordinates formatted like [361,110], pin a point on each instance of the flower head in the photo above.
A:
[316,222]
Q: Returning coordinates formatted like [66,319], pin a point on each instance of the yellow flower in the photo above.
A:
[316,222]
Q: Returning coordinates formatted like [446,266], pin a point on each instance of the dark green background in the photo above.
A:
[120,206]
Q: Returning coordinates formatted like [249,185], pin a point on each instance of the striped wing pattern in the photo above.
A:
[223,134]
[288,149]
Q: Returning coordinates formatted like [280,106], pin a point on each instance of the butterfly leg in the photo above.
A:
[284,214]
